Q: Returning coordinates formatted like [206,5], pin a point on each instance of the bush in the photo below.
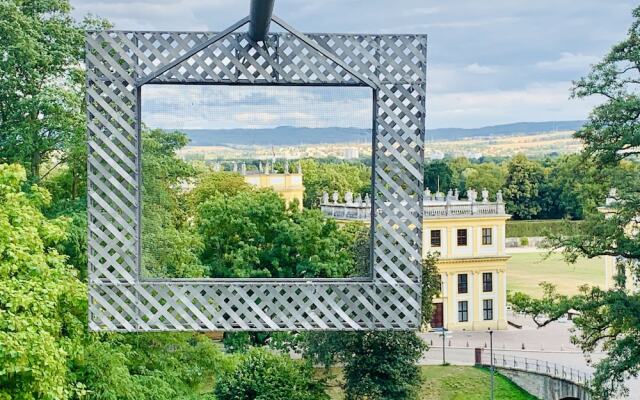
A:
[379,365]
[524,241]
[544,227]
[268,376]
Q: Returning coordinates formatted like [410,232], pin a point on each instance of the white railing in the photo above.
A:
[453,210]
[541,367]
[363,212]
[347,211]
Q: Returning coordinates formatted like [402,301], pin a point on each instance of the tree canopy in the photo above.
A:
[609,318]
[41,99]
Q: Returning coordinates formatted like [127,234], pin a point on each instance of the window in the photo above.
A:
[487,310]
[462,283]
[487,238]
[462,237]
[487,282]
[463,311]
[436,238]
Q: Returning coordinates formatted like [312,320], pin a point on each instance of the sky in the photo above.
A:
[489,62]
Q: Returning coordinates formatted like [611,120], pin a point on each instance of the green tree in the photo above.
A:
[210,184]
[545,310]
[438,175]
[609,318]
[488,176]
[431,286]
[41,97]
[377,364]
[42,303]
[522,187]
[267,376]
[253,234]
[170,244]
[341,177]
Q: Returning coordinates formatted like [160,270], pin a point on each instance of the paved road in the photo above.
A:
[551,343]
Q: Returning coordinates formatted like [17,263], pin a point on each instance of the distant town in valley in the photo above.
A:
[529,138]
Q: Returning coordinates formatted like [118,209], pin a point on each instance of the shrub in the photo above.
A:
[268,376]
[544,227]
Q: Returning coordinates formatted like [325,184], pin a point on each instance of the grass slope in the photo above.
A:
[456,383]
[526,270]
[467,383]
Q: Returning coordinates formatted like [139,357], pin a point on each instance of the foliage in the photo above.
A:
[46,351]
[610,321]
[338,177]
[210,184]
[522,187]
[611,133]
[252,234]
[546,227]
[377,364]
[549,308]
[431,286]
[170,244]
[609,318]
[358,235]
[40,96]
[267,376]
[488,176]
[41,301]
[438,175]
[147,366]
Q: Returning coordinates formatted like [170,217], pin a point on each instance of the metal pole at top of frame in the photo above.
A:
[259,19]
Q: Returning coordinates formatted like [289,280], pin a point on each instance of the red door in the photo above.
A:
[437,321]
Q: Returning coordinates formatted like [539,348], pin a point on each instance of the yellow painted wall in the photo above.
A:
[289,186]
[474,260]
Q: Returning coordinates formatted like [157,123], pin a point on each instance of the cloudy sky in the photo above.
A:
[490,62]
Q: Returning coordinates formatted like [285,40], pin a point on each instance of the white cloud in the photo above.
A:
[225,107]
[568,62]
[476,68]
[537,102]
[417,11]
[484,57]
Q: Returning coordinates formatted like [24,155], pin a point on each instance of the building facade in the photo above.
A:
[287,184]
[469,237]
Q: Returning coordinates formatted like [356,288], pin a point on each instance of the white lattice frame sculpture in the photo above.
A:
[120,63]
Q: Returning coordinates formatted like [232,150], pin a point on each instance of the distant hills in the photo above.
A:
[291,136]
[517,128]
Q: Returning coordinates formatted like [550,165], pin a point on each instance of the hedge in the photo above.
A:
[544,227]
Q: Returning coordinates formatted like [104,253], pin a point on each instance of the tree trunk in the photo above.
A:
[74,186]
[36,161]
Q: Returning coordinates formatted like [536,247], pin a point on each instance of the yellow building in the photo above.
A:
[469,236]
[288,185]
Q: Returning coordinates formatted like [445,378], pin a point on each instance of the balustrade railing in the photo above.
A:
[542,367]
[346,211]
[363,211]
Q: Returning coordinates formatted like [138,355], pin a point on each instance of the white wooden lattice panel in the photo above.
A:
[122,300]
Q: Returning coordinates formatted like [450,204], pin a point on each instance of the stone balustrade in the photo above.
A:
[436,205]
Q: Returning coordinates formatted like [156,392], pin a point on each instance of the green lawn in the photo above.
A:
[526,270]
[459,383]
